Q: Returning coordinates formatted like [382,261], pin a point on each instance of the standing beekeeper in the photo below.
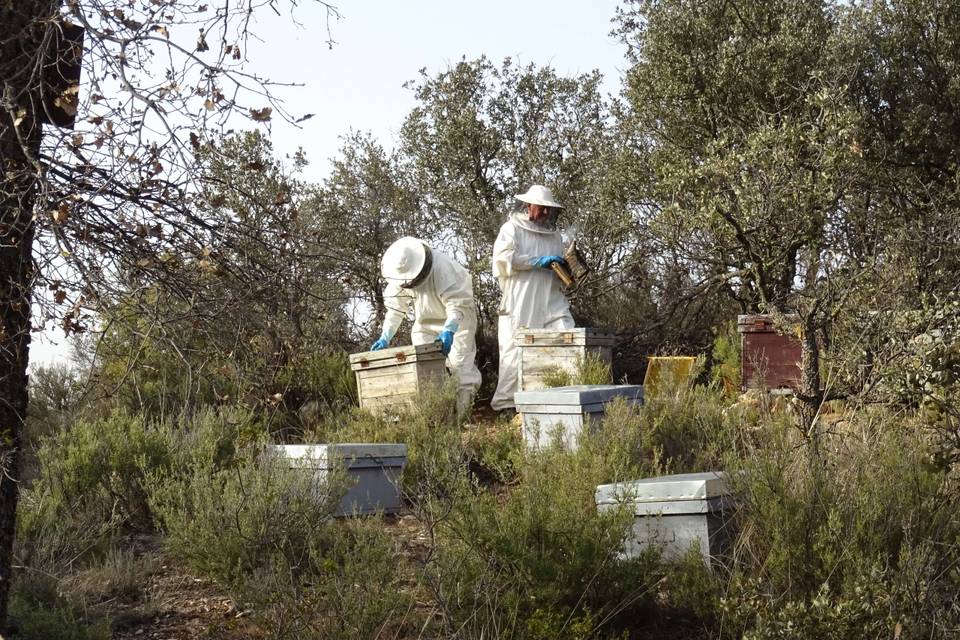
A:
[441,294]
[528,243]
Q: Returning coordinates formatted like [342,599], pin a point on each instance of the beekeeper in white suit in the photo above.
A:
[441,294]
[528,243]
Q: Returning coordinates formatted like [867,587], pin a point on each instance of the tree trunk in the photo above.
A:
[21,36]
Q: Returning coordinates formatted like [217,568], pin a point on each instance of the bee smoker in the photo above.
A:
[576,269]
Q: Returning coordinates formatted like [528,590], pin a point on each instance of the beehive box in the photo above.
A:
[675,513]
[391,379]
[667,374]
[564,412]
[372,472]
[544,349]
[766,356]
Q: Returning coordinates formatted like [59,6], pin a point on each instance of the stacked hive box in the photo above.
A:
[391,379]
[542,350]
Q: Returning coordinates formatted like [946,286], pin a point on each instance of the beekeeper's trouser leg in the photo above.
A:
[508,382]
[461,361]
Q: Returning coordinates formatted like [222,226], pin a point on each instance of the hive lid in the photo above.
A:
[579,394]
[674,488]
[318,455]
[763,323]
[396,355]
[559,337]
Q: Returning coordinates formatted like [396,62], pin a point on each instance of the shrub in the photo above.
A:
[350,585]
[100,466]
[224,521]
[38,611]
[837,534]
[265,532]
[586,370]
[692,430]
[431,431]
[540,561]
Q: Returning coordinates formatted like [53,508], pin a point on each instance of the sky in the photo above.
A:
[381,44]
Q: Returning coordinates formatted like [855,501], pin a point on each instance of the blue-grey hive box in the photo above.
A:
[564,412]
[675,513]
[372,472]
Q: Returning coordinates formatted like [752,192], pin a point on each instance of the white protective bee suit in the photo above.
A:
[532,297]
[443,299]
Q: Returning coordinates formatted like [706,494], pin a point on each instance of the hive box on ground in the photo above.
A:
[542,350]
[768,357]
[567,411]
[675,513]
[372,472]
[392,379]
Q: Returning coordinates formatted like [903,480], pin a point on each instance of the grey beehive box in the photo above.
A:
[567,411]
[675,513]
[372,472]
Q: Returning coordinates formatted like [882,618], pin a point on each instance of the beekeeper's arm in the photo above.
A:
[456,293]
[507,260]
[397,300]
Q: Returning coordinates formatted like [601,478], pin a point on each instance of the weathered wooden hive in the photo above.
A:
[564,412]
[372,472]
[767,357]
[391,379]
[675,514]
[542,350]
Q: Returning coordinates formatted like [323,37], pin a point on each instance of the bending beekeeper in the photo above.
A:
[528,243]
[441,294]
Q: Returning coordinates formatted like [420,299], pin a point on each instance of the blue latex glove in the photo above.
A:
[379,344]
[446,336]
[446,341]
[544,262]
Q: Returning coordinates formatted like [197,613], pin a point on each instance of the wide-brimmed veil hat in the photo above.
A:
[406,260]
[539,194]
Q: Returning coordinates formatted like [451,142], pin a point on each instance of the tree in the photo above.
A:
[755,153]
[115,195]
[367,193]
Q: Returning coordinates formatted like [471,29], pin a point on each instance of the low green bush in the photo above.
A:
[266,533]
[100,465]
[589,369]
[430,429]
[352,583]
[850,534]
[539,561]
[38,611]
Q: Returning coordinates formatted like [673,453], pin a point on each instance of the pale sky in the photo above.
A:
[380,44]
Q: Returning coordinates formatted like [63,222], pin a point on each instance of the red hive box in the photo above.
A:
[766,356]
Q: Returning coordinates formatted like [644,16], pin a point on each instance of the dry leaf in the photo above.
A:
[162,30]
[208,103]
[261,115]
[61,213]
[59,296]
